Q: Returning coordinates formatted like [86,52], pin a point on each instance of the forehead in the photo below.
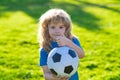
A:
[58,20]
[56,24]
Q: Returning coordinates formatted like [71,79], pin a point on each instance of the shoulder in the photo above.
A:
[42,51]
[75,39]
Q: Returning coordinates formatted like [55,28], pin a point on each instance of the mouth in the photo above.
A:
[56,36]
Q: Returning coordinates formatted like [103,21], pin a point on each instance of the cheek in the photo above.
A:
[63,31]
[50,33]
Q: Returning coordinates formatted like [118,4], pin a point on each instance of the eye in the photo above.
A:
[61,27]
[52,27]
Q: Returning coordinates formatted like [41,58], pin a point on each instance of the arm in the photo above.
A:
[43,64]
[79,51]
[64,41]
[49,76]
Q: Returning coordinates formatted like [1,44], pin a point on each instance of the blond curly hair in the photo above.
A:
[54,16]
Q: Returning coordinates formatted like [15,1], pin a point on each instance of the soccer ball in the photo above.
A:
[63,61]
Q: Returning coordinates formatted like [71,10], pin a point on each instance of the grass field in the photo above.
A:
[96,23]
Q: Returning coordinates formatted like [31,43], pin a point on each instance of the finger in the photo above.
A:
[56,37]
[62,35]
[59,77]
[66,78]
[63,78]
[59,44]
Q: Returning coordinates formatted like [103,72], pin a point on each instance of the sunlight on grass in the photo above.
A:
[16,18]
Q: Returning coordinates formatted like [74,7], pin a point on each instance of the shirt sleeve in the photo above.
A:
[43,57]
[77,42]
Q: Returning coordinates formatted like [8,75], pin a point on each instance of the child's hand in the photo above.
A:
[62,40]
[60,78]
[64,78]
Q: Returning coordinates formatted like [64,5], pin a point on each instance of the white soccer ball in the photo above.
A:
[63,61]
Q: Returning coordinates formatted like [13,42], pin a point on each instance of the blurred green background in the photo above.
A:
[95,22]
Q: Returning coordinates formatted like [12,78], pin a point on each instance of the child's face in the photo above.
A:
[56,30]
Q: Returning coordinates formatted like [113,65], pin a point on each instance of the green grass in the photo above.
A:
[96,23]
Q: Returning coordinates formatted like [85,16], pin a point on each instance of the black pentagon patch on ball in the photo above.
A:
[68,69]
[72,53]
[53,71]
[56,57]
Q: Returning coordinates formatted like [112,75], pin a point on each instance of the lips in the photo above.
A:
[56,36]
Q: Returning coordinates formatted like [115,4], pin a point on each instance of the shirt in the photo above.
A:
[44,55]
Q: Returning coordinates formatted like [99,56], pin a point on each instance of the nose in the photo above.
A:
[57,31]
